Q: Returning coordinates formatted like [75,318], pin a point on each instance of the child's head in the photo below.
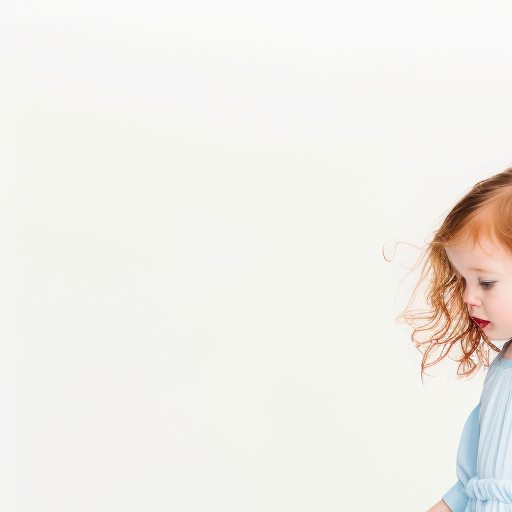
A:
[468,273]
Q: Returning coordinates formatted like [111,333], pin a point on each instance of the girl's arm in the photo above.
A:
[440,507]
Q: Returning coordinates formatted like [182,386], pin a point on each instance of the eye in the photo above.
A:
[487,284]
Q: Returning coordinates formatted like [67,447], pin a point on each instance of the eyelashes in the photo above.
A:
[486,285]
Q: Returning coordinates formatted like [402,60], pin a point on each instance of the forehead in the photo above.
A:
[484,255]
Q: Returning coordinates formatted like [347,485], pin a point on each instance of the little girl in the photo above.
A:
[468,277]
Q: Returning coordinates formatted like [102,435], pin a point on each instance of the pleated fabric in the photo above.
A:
[484,459]
[489,494]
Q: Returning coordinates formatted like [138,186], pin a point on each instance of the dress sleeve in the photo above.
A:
[456,497]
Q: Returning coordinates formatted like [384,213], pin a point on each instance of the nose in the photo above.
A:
[471,296]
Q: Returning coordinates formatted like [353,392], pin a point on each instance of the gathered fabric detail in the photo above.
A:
[489,489]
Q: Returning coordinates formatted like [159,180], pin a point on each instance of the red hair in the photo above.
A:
[444,327]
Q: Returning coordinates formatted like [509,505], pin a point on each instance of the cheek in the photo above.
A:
[501,306]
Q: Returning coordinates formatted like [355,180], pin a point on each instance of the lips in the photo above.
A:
[481,323]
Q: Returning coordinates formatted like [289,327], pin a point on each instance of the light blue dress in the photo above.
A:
[484,458]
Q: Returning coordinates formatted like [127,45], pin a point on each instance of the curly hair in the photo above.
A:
[445,327]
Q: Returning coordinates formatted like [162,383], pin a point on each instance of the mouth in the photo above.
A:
[481,323]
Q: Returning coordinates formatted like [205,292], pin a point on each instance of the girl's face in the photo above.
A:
[487,273]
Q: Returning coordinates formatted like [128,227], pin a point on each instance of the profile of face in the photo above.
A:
[487,272]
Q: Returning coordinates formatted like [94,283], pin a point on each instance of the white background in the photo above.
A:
[196,314]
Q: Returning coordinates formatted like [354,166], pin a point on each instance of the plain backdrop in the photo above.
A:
[196,313]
